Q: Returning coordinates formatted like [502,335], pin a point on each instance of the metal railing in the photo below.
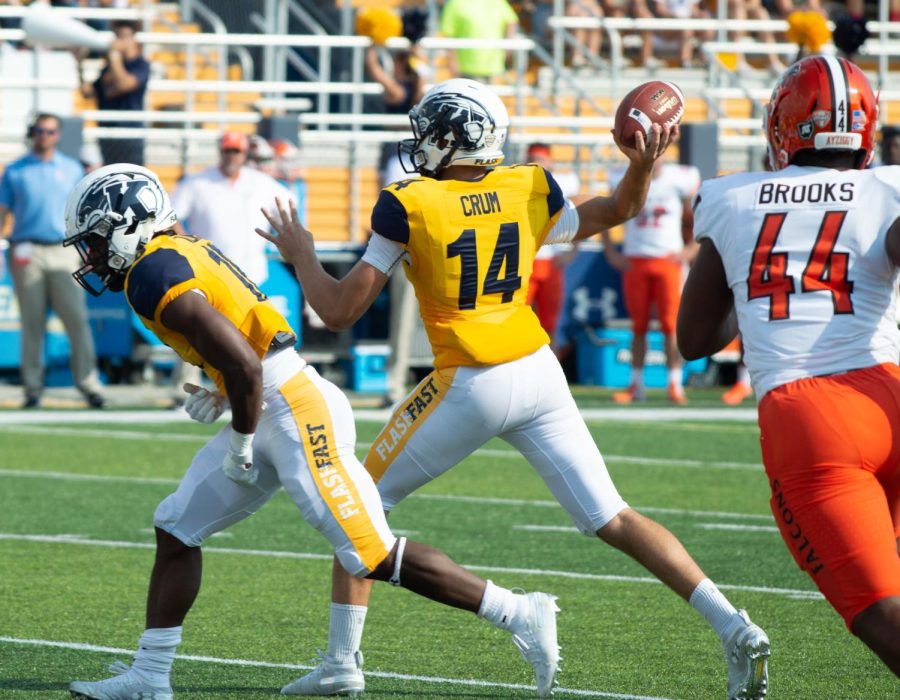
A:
[587,128]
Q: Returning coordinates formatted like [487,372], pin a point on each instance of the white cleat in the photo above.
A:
[747,653]
[330,678]
[534,634]
[127,685]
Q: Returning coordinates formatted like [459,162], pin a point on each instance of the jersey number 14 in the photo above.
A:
[507,249]
[825,269]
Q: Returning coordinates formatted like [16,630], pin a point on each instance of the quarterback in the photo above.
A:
[289,428]
[466,233]
[804,261]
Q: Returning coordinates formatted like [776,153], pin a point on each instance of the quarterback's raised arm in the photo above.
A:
[339,303]
[600,213]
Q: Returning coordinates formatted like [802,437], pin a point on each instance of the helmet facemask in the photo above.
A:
[110,216]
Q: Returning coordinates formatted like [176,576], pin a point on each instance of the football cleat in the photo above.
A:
[330,678]
[747,653]
[675,394]
[534,634]
[128,684]
[630,395]
[738,393]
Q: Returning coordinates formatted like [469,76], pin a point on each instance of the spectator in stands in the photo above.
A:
[34,189]
[657,245]
[478,19]
[592,39]
[121,87]
[101,25]
[546,286]
[223,202]
[687,40]
[403,87]
[754,9]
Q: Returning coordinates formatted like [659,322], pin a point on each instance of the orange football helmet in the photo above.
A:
[822,103]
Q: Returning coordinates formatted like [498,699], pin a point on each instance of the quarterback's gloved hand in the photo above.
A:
[238,463]
[202,405]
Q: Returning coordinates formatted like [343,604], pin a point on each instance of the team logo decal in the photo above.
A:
[859,120]
[821,118]
[805,130]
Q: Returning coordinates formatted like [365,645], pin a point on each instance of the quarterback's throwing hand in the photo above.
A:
[292,240]
[647,152]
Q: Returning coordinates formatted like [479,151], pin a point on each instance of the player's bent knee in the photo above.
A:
[352,564]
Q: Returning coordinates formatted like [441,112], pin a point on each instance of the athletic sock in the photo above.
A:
[743,375]
[345,631]
[709,601]
[675,375]
[156,653]
[637,380]
[499,606]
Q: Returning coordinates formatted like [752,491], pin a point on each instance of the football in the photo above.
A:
[656,102]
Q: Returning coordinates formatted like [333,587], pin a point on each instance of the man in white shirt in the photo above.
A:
[658,243]
[223,202]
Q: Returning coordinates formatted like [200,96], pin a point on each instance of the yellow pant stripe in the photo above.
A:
[406,418]
[335,485]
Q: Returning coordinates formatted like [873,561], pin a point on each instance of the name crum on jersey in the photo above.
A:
[807,193]
[406,418]
[331,478]
[480,203]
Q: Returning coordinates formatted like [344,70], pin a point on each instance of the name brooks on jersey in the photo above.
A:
[779,194]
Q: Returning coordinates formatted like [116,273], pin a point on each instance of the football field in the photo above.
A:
[76,547]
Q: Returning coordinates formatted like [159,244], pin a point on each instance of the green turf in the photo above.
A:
[627,637]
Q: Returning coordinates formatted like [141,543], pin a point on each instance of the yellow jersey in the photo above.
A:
[471,248]
[173,265]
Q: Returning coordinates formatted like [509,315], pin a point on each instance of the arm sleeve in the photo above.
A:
[389,218]
[6,193]
[141,71]
[566,226]
[153,276]
[383,254]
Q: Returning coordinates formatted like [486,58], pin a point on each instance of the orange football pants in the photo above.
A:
[652,281]
[545,293]
[831,448]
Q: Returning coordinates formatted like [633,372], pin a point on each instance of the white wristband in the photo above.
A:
[241,442]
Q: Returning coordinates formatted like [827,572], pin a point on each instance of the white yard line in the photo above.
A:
[731,527]
[363,446]
[475,500]
[627,415]
[252,663]
[792,593]
[737,528]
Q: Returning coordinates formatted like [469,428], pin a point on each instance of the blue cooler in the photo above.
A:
[369,367]
[604,358]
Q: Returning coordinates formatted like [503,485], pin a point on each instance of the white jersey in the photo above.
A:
[656,231]
[804,254]
[226,212]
